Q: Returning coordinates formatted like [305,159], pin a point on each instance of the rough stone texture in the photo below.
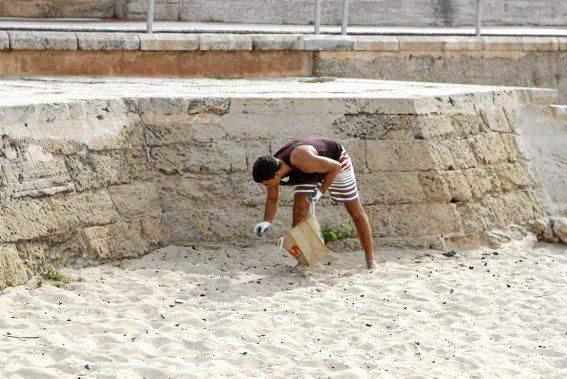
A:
[57,8]
[319,43]
[136,200]
[543,228]
[23,40]
[4,41]
[560,229]
[108,41]
[225,42]
[12,270]
[277,42]
[90,181]
[98,169]
[168,42]
[377,43]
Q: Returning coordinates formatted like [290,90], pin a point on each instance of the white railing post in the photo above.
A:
[317,16]
[478,16]
[345,17]
[150,17]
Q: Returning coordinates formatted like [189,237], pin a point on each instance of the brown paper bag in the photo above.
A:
[304,241]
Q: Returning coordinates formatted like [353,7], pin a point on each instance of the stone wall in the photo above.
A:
[361,12]
[93,181]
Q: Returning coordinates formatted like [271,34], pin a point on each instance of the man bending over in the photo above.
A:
[312,166]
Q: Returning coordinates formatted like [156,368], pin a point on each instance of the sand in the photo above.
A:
[227,311]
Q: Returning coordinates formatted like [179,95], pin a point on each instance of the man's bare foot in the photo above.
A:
[372,264]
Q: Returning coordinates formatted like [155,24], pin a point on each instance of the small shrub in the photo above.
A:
[57,278]
[329,235]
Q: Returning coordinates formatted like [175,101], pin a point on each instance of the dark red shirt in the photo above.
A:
[325,147]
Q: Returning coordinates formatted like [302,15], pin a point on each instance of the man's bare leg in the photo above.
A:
[360,219]
[300,208]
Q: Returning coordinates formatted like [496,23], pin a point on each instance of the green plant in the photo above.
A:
[57,278]
[329,235]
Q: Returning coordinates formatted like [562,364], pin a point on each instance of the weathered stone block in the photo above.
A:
[213,158]
[399,156]
[328,42]
[98,169]
[225,42]
[12,270]
[357,152]
[496,120]
[156,231]
[427,127]
[488,148]
[462,156]
[136,200]
[435,187]
[117,241]
[4,41]
[168,42]
[218,105]
[138,162]
[482,181]
[380,221]
[512,208]
[84,209]
[458,186]
[199,128]
[390,188]
[465,124]
[458,43]
[163,111]
[475,217]
[37,179]
[376,43]
[108,41]
[440,155]
[26,219]
[511,147]
[540,43]
[277,42]
[215,224]
[32,40]
[424,219]
[512,176]
[503,43]
[55,249]
[374,126]
[420,43]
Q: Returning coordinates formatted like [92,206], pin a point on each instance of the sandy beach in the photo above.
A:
[244,312]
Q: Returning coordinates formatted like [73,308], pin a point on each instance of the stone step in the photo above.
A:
[559,111]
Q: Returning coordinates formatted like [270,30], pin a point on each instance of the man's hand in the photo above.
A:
[261,228]
[314,197]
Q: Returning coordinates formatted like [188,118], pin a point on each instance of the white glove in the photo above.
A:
[261,228]
[314,197]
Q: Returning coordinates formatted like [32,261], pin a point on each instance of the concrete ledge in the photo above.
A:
[32,40]
[503,43]
[108,41]
[20,40]
[4,41]
[540,44]
[225,42]
[319,43]
[377,43]
[277,42]
[420,43]
[168,42]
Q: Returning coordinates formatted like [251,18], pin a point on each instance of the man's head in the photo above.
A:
[265,169]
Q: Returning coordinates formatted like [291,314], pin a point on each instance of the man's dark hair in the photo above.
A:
[265,168]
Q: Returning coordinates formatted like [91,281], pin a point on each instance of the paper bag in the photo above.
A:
[304,241]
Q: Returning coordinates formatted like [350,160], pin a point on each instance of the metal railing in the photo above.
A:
[317,28]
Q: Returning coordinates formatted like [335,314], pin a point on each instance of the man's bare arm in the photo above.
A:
[272,202]
[306,159]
